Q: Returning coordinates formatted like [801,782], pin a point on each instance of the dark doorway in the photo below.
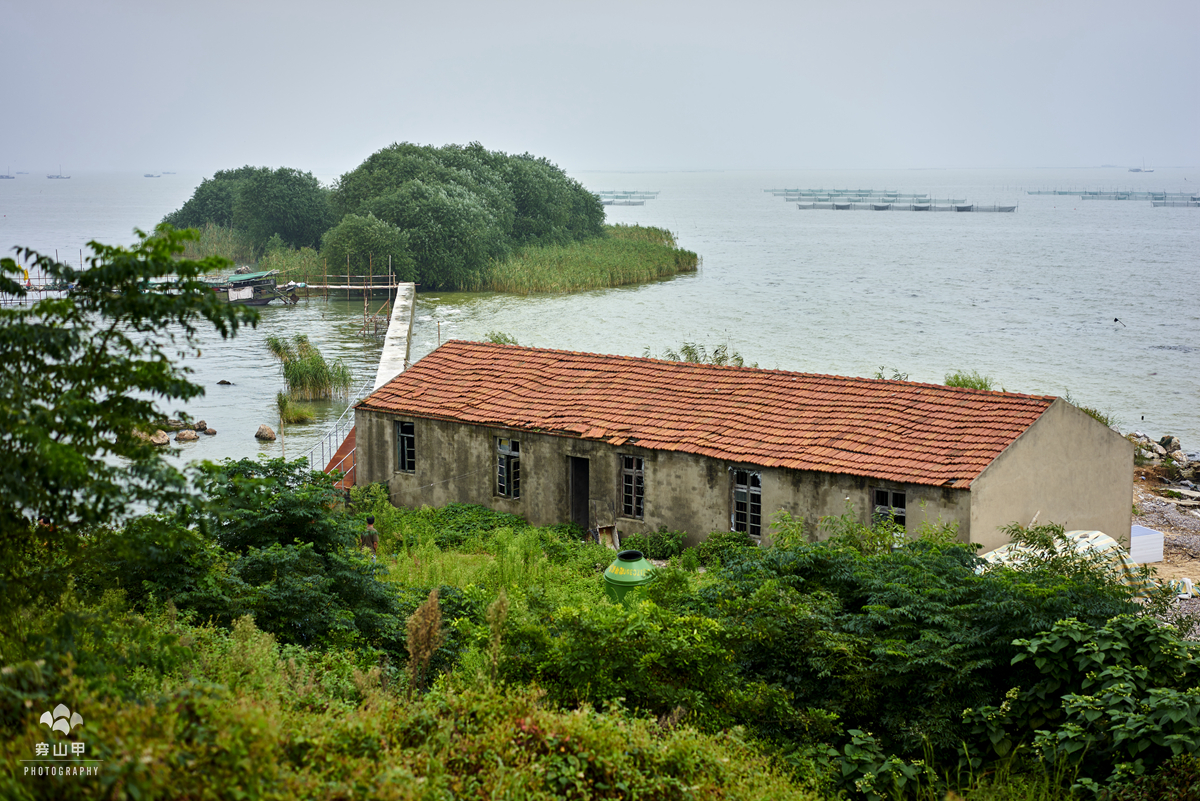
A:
[578,492]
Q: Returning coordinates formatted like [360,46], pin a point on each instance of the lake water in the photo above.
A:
[1028,298]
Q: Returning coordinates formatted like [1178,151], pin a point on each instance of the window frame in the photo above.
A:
[508,468]
[633,486]
[748,520]
[879,511]
[406,458]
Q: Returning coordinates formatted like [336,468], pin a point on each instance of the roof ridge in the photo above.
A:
[756,370]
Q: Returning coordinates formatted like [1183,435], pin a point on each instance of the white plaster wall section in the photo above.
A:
[394,358]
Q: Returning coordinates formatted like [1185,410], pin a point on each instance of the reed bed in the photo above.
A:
[292,412]
[628,255]
[641,233]
[302,266]
[307,374]
[216,240]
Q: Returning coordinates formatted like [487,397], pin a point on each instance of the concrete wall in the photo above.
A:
[1066,468]
[456,463]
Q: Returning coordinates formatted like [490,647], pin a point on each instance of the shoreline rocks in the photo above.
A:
[265,433]
[1167,451]
[187,435]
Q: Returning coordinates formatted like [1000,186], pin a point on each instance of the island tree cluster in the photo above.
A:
[435,215]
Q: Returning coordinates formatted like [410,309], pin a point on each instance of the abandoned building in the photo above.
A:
[643,443]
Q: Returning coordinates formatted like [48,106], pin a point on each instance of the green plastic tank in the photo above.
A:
[630,569]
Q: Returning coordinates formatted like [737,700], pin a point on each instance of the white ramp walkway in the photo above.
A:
[394,358]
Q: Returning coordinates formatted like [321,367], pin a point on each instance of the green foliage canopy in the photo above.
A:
[366,245]
[83,375]
[260,202]
[464,206]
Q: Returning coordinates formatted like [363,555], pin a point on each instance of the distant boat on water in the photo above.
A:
[151,175]
[1142,168]
[60,175]
[8,176]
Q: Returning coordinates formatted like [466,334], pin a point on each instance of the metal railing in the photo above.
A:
[324,451]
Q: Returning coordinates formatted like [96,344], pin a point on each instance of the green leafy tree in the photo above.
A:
[366,244]
[283,202]
[261,203]
[213,200]
[452,233]
[83,376]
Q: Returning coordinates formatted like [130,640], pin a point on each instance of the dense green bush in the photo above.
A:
[721,546]
[1109,701]
[367,246]
[661,544]
[897,642]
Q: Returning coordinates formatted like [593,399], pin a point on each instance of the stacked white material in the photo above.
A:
[1145,545]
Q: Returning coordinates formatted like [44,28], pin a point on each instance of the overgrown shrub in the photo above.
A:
[720,546]
[1109,701]
[661,544]
[971,380]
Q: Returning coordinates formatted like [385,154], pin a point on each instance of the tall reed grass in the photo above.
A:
[624,255]
[302,266]
[229,243]
[307,374]
[641,233]
[291,412]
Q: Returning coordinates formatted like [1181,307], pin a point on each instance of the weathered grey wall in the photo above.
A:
[811,495]
[1066,468]
[456,463]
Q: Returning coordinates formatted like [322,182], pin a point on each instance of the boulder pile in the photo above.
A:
[1165,451]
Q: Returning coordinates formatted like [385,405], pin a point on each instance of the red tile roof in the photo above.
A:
[896,430]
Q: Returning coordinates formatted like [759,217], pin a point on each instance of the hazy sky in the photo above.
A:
[603,85]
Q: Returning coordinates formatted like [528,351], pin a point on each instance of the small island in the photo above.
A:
[447,218]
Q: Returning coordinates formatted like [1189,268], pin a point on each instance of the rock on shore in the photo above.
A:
[265,433]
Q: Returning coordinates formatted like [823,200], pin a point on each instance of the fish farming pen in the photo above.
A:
[1116,194]
[871,199]
[1176,203]
[852,206]
[622,197]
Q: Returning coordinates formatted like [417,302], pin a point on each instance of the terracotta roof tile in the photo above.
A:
[900,430]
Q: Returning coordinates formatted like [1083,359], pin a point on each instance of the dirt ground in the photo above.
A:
[1179,523]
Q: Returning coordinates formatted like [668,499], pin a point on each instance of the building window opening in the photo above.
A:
[508,468]
[406,447]
[747,502]
[889,504]
[633,486]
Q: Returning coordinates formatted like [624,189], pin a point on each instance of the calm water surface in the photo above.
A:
[1028,298]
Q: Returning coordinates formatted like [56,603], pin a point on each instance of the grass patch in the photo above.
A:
[307,374]
[624,255]
[291,412]
[1097,415]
